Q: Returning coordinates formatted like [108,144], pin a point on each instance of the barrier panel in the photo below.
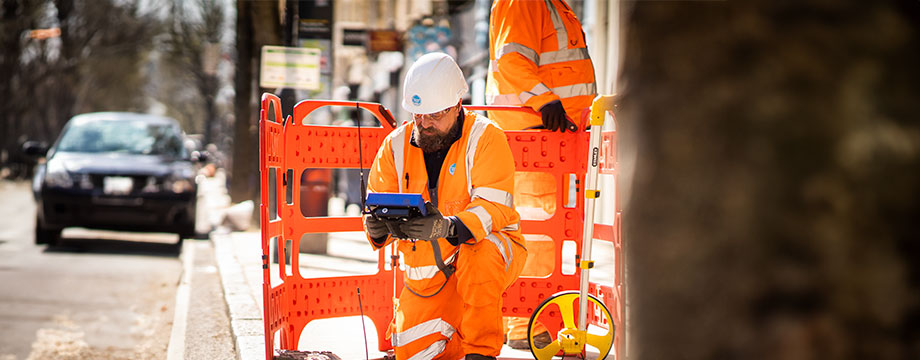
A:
[289,147]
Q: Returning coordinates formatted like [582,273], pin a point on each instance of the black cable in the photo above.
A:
[367,354]
[361,167]
[360,158]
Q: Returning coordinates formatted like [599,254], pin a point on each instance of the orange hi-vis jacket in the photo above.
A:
[537,54]
[475,185]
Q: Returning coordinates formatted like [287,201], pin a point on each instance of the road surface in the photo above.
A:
[98,295]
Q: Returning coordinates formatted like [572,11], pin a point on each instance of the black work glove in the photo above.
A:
[393,225]
[553,114]
[377,229]
[430,227]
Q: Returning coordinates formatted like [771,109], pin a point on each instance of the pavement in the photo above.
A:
[238,256]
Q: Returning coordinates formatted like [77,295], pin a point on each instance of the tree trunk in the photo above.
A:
[9,45]
[775,195]
[257,25]
[244,164]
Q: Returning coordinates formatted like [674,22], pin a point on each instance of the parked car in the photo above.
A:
[115,171]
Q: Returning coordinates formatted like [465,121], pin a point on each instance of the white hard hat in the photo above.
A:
[433,83]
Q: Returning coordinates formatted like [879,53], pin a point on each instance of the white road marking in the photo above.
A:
[176,349]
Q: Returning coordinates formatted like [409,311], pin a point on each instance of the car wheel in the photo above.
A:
[188,232]
[46,235]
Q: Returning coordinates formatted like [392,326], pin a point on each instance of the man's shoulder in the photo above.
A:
[484,128]
[480,121]
[399,131]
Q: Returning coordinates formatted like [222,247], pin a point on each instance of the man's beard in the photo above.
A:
[431,139]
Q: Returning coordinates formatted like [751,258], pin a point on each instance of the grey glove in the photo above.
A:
[394,229]
[430,227]
[376,228]
[553,114]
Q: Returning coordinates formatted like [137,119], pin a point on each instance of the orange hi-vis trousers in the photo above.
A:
[465,317]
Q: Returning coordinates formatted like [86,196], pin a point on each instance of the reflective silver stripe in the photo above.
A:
[563,55]
[545,58]
[526,52]
[431,351]
[397,144]
[575,90]
[510,252]
[421,272]
[502,248]
[505,99]
[484,218]
[525,96]
[479,127]
[562,91]
[421,330]
[426,272]
[538,89]
[498,243]
[512,227]
[494,195]
[562,36]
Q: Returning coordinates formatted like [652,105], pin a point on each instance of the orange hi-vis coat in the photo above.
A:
[537,54]
[463,313]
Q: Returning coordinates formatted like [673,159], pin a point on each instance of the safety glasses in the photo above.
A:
[433,116]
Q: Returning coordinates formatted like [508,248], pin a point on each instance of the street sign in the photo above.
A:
[385,40]
[290,67]
[316,20]
[354,37]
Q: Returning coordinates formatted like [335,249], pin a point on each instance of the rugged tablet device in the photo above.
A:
[395,206]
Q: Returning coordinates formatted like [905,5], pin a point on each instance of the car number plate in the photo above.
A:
[117,185]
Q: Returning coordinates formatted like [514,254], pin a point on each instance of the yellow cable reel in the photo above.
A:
[569,340]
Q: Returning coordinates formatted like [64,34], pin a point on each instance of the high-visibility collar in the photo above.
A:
[434,160]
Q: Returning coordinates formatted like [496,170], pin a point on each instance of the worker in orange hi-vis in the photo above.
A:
[539,59]
[461,257]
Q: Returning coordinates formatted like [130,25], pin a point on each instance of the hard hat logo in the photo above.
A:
[416,100]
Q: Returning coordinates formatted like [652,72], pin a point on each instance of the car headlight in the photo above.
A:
[178,184]
[180,181]
[57,176]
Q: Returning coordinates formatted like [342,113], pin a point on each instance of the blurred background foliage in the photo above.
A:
[191,55]
[774,205]
[85,68]
[109,55]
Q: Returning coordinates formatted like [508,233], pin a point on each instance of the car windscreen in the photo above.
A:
[122,136]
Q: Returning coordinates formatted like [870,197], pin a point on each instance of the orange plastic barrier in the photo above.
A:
[287,148]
